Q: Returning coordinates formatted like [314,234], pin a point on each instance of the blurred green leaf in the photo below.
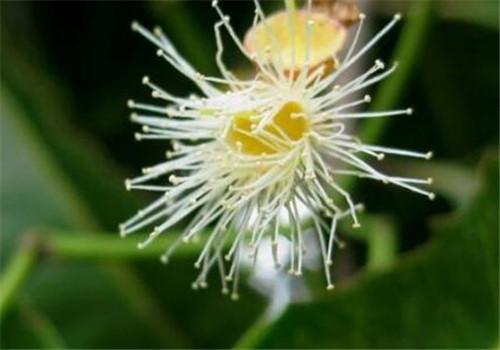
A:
[47,188]
[178,21]
[85,168]
[41,327]
[445,295]
[478,12]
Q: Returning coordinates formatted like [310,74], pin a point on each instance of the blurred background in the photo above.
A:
[419,274]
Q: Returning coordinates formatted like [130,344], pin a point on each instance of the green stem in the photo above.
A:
[109,246]
[16,272]
[407,52]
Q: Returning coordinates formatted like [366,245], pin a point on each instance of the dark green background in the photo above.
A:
[67,69]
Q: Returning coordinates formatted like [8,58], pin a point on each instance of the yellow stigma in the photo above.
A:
[289,124]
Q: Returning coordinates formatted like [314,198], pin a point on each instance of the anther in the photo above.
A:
[431,196]
[368,98]
[130,103]
[397,16]
[145,79]
[128,184]
[409,111]
[429,155]
[379,64]
[330,286]
[137,136]
[134,25]
[157,30]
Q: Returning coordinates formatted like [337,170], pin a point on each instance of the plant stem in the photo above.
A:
[16,271]
[108,246]
[410,43]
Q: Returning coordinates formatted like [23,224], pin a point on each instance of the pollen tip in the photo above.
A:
[361,16]
[194,285]
[134,25]
[429,155]
[356,225]
[380,156]
[235,296]
[164,259]
[409,111]
[203,284]
[225,291]
[197,265]
[430,180]
[130,103]
[128,184]
[398,16]
[368,98]
[214,3]
[157,30]
[137,136]
[380,64]
[133,117]
[330,286]
[159,52]
[432,196]
[145,79]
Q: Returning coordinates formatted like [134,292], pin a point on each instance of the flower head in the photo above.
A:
[250,156]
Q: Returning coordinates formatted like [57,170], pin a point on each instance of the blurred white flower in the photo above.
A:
[248,153]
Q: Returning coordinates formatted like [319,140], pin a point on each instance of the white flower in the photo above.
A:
[247,153]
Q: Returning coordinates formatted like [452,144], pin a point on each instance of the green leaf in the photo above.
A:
[48,199]
[444,295]
[84,169]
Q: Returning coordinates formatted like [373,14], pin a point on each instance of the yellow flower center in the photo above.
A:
[288,125]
